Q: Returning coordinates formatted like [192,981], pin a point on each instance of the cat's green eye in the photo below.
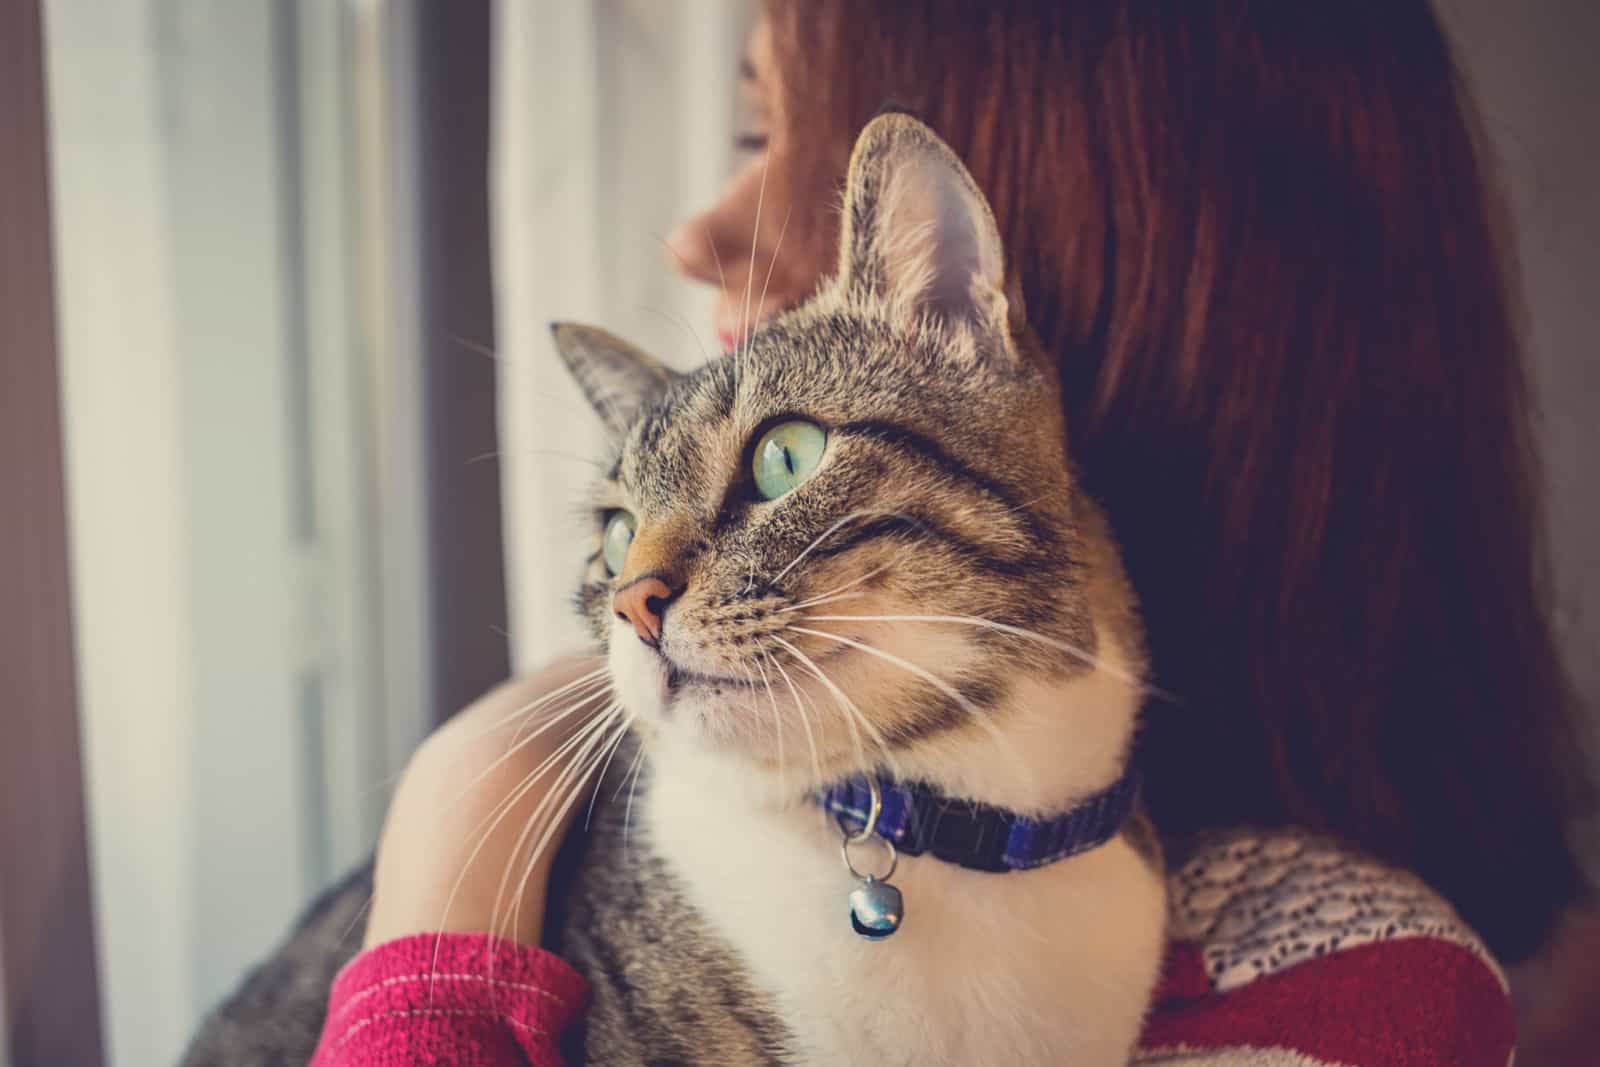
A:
[786,455]
[614,545]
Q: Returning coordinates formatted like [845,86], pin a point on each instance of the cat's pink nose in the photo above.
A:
[641,602]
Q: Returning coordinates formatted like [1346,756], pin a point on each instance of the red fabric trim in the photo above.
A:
[450,998]
[1411,1001]
[1183,977]
[1414,1001]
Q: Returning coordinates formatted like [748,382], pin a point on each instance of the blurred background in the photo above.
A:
[291,473]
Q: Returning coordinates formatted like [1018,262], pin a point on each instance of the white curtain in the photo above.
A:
[613,119]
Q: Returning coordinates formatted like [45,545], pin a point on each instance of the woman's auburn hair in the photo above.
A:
[1258,238]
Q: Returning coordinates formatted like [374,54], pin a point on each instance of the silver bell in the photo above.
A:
[876,909]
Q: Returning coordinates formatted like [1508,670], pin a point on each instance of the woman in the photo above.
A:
[1257,238]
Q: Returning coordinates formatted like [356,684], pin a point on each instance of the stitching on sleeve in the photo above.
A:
[408,1013]
[495,983]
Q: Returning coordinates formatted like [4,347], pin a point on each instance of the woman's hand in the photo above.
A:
[452,857]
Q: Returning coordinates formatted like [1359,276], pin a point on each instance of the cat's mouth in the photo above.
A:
[678,679]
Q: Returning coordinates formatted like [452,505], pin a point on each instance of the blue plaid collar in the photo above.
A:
[919,819]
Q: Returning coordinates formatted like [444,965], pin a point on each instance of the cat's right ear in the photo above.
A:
[917,235]
[617,378]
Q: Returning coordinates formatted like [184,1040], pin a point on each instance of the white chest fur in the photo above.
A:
[1052,966]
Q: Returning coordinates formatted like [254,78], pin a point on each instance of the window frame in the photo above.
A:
[47,944]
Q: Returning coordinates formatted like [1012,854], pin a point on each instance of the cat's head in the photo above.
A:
[856,542]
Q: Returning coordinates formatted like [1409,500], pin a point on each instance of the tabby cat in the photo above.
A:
[855,547]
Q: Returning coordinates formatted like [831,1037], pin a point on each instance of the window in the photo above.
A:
[244,474]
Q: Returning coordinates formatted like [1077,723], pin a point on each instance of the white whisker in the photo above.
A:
[833,594]
[502,809]
[602,756]
[805,720]
[600,780]
[830,595]
[562,749]
[722,280]
[777,728]
[484,457]
[773,262]
[819,601]
[677,317]
[631,779]
[938,683]
[824,535]
[573,773]
[755,238]
[554,719]
[536,716]
[546,698]
[852,715]
[1016,631]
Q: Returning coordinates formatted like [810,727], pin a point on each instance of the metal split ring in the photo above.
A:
[894,860]
[868,830]
[874,809]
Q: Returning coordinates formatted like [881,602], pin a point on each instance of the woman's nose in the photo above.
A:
[716,246]
[696,252]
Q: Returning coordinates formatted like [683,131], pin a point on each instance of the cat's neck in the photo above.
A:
[1054,742]
[1058,741]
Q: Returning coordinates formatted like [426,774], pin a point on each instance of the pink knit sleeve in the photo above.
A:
[450,998]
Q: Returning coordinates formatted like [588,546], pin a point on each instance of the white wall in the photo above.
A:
[232,743]
[120,370]
[1534,69]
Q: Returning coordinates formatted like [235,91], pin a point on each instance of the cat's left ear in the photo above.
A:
[618,378]
[917,232]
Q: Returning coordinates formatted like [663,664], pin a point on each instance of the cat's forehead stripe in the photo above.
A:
[909,440]
[668,449]
[924,529]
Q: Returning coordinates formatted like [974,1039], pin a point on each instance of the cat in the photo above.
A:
[854,549]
